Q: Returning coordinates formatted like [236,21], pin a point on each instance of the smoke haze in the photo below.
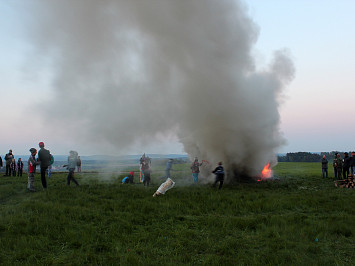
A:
[130,72]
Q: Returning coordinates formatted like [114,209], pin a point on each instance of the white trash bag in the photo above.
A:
[168,184]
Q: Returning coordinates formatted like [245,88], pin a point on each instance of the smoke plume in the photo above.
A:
[126,72]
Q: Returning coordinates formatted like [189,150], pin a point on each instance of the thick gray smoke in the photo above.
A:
[126,72]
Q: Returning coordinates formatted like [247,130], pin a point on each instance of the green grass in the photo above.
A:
[300,219]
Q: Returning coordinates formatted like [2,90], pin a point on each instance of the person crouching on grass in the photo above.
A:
[219,172]
[72,162]
[32,163]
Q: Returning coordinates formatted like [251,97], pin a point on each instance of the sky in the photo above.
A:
[316,108]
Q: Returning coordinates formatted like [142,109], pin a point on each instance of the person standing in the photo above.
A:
[0,162]
[146,173]
[219,172]
[352,163]
[195,167]
[19,167]
[335,165]
[324,166]
[51,161]
[72,162]
[339,166]
[13,167]
[78,164]
[8,159]
[44,158]
[32,163]
[346,165]
[169,166]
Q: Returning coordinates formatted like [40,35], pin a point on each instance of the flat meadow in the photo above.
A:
[297,219]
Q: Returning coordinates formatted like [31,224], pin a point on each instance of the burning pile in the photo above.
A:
[345,183]
[266,173]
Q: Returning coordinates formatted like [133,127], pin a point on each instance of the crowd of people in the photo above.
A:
[343,166]
[44,160]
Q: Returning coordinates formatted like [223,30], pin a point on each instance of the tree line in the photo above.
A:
[307,156]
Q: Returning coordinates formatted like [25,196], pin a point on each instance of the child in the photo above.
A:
[128,179]
[19,167]
[32,163]
[219,172]
[13,167]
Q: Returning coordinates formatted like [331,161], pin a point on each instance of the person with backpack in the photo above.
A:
[219,172]
[19,167]
[72,162]
[8,159]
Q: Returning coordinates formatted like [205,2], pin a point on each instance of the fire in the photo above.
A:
[266,172]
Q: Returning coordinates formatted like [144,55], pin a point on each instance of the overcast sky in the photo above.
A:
[317,108]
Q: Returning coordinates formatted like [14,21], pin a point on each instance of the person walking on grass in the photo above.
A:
[324,166]
[32,163]
[219,172]
[44,158]
[19,167]
[168,168]
[72,162]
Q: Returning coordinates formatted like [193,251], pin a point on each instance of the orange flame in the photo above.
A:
[266,172]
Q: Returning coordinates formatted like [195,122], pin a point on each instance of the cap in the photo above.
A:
[41,144]
[131,173]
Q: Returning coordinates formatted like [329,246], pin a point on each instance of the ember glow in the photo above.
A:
[266,172]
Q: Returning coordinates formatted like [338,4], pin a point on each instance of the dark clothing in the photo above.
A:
[219,172]
[324,163]
[346,162]
[0,161]
[71,178]
[340,167]
[19,168]
[8,159]
[352,160]
[324,167]
[43,176]
[13,168]
[44,157]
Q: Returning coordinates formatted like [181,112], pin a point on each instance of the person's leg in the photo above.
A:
[69,177]
[31,181]
[335,173]
[8,172]
[43,177]
[74,180]
[326,170]
[220,183]
[195,177]
[323,172]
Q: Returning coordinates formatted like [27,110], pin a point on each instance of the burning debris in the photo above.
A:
[346,183]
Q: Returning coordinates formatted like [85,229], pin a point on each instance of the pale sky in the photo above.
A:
[317,109]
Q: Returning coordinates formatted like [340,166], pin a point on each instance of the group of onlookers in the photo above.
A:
[45,160]
[343,167]
[12,167]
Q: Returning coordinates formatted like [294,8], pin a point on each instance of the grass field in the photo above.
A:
[300,219]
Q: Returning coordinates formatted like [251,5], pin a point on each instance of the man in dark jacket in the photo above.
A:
[335,165]
[324,166]
[219,172]
[8,158]
[44,157]
[346,165]
[352,163]
[340,166]
[0,162]
[19,167]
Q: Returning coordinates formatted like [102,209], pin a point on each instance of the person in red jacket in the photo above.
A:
[32,163]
